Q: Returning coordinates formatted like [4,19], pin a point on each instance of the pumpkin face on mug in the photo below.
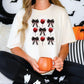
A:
[79,32]
[45,63]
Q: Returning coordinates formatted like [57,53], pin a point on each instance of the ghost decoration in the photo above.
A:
[37,82]
[8,9]
[61,78]
[55,78]
[27,78]
[46,80]
[12,6]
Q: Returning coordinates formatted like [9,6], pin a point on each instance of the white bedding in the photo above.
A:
[4,34]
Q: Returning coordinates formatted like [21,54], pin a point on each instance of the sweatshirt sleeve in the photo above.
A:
[14,36]
[67,34]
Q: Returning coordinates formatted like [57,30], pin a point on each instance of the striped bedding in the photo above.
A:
[76,52]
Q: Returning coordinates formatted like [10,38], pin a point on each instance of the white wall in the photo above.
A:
[78,7]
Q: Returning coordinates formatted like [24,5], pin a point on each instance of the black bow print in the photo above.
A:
[50,22]
[50,40]
[42,30]
[35,39]
[35,22]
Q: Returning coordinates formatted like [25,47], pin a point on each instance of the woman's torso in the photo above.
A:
[42,38]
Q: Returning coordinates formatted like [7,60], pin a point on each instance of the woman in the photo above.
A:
[40,30]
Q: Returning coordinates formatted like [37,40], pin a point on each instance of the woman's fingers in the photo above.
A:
[59,69]
[36,67]
[55,58]
[36,64]
[58,63]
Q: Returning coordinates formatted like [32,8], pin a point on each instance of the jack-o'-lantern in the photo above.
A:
[79,32]
[45,63]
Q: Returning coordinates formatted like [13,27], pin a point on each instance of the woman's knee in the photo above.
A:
[2,52]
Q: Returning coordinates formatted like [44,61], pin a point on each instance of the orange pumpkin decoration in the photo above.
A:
[79,32]
[45,63]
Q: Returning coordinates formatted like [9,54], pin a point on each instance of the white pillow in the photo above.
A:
[4,35]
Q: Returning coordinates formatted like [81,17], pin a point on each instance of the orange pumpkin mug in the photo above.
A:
[45,63]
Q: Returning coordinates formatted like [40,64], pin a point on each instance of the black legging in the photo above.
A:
[15,67]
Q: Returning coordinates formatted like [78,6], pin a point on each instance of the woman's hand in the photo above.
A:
[64,50]
[58,63]
[35,66]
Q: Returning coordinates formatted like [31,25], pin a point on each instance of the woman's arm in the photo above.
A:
[64,51]
[61,57]
[18,51]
